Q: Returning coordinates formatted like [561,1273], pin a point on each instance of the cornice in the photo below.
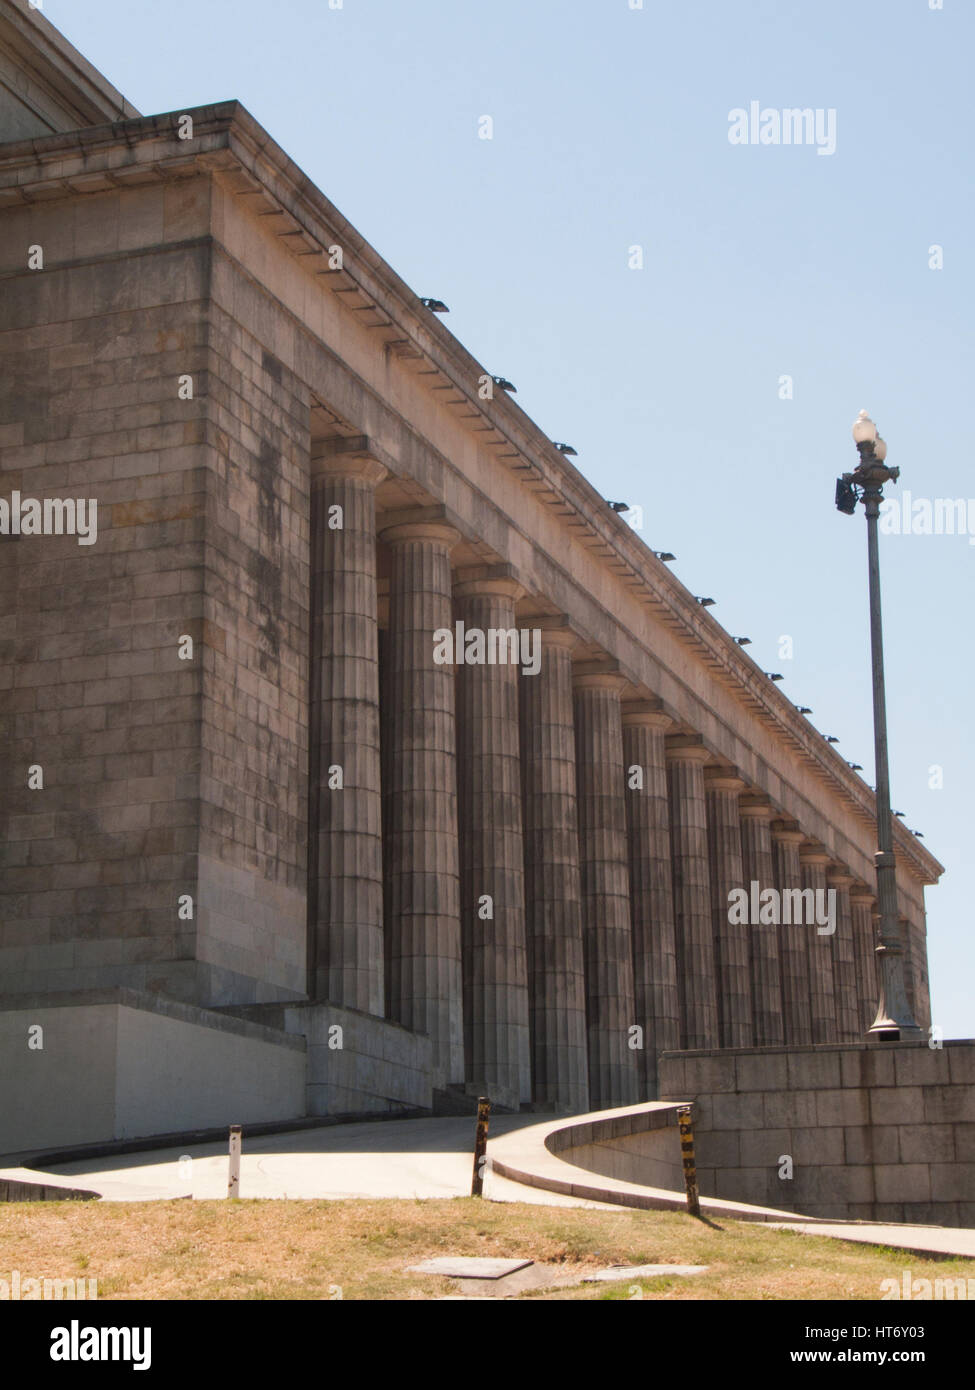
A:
[69,81]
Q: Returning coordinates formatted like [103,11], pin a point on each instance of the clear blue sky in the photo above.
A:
[611,129]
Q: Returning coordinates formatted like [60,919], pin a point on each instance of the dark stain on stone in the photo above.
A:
[265,571]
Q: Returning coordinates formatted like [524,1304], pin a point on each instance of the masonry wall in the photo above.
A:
[357,1064]
[92,690]
[876,1131]
[124,1064]
[167,846]
[252,924]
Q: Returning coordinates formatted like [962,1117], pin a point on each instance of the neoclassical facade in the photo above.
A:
[300,469]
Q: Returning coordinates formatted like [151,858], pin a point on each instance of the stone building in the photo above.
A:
[506,876]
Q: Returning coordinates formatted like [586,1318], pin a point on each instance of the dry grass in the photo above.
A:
[306,1250]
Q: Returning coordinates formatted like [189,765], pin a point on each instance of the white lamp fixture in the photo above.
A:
[864,429]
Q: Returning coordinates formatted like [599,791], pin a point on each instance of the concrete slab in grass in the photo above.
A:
[623,1272]
[468,1267]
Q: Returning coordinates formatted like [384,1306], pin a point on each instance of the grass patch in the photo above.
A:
[310,1250]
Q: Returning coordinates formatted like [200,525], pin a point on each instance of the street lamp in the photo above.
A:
[894,1018]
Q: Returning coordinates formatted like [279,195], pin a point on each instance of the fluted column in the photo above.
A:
[822,998]
[862,906]
[910,961]
[345,810]
[731,934]
[793,948]
[651,886]
[686,757]
[844,959]
[603,861]
[759,869]
[553,890]
[492,851]
[917,918]
[424,956]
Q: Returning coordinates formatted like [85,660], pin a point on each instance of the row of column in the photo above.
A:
[557,867]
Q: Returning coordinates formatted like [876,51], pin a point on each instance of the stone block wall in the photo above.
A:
[163,778]
[93,690]
[875,1131]
[369,1065]
[252,924]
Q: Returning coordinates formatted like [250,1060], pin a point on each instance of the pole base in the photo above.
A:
[886,1030]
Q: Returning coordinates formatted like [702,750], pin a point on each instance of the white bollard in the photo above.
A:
[233,1178]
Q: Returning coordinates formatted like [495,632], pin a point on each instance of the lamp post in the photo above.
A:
[894,1018]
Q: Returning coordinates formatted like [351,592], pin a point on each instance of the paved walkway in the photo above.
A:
[925,1240]
[391,1158]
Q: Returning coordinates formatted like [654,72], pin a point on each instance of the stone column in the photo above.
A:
[730,934]
[919,958]
[862,906]
[553,890]
[603,860]
[910,959]
[758,867]
[686,757]
[844,959]
[345,791]
[651,886]
[492,854]
[822,998]
[793,951]
[424,951]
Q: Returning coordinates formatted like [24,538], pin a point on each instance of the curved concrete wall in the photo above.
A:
[591,1156]
[636,1146]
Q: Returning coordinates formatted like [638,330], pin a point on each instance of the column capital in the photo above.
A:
[686,748]
[598,675]
[787,832]
[862,893]
[555,630]
[487,581]
[404,531]
[755,806]
[837,877]
[648,713]
[346,458]
[812,853]
[723,779]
